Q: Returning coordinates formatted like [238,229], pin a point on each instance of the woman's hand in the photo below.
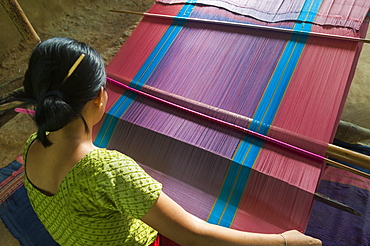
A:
[294,238]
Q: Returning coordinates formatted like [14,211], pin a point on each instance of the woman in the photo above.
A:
[89,196]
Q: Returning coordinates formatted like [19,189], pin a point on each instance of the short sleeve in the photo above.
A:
[30,140]
[126,186]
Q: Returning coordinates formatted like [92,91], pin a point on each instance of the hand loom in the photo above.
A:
[287,81]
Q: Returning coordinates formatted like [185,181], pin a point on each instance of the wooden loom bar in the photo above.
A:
[348,156]
[239,128]
[245,25]
[20,20]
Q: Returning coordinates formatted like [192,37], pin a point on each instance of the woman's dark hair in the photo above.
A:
[57,102]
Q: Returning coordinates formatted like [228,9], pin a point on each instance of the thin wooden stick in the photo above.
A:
[245,25]
[336,204]
[10,81]
[20,20]
[10,105]
[242,129]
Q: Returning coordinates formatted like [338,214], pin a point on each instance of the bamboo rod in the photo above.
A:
[21,21]
[242,129]
[348,156]
[246,25]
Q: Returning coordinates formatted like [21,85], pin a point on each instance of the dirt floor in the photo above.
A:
[91,22]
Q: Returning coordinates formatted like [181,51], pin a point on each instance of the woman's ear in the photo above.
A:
[99,99]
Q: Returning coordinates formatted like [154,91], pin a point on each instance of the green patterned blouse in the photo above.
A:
[99,202]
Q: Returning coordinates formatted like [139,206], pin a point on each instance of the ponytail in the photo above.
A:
[52,113]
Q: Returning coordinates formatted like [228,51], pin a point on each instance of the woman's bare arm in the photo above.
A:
[173,222]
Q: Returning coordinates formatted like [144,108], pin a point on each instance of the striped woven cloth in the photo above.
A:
[345,13]
[11,179]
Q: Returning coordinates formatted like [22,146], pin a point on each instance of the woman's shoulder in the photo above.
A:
[106,156]
[107,167]
[102,159]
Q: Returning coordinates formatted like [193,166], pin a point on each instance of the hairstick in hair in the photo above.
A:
[74,66]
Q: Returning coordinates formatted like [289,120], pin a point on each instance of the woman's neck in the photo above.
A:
[73,134]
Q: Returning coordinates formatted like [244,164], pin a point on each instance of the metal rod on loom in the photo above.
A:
[251,26]
[242,129]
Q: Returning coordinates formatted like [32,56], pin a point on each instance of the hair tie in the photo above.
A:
[51,93]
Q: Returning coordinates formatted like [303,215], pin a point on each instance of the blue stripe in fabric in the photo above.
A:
[226,205]
[161,48]
[367,18]
[123,103]
[109,124]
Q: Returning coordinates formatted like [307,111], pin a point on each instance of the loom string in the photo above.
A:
[236,127]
